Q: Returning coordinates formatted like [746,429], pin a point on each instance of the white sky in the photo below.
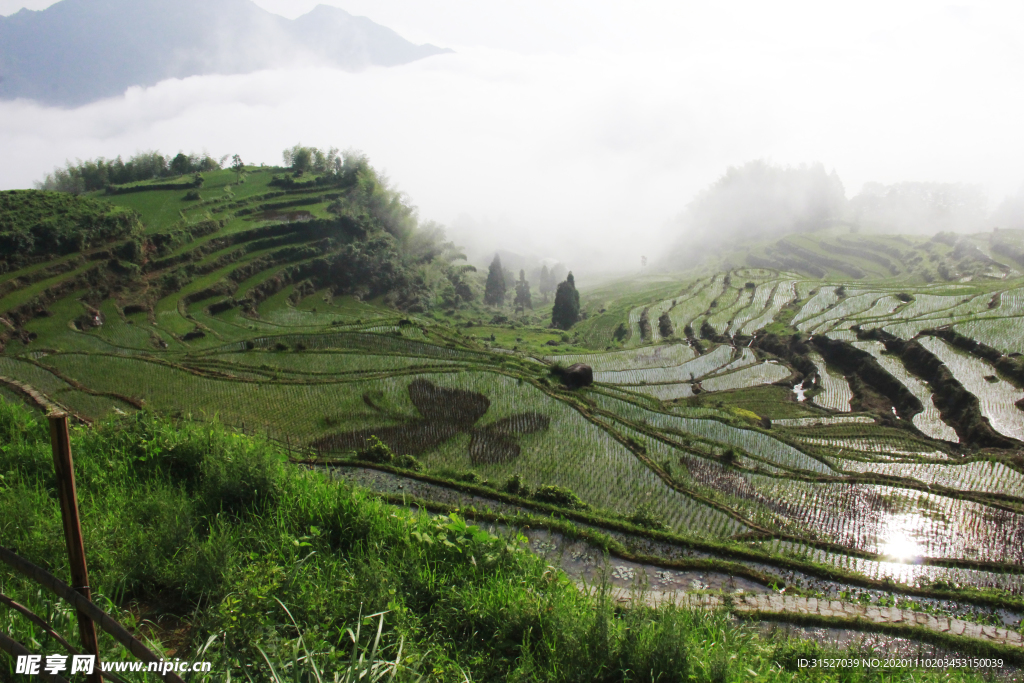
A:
[561,122]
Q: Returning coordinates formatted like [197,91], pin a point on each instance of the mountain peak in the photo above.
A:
[78,51]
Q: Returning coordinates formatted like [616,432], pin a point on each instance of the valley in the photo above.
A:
[840,415]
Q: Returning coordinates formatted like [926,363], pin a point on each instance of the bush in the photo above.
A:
[408,462]
[559,495]
[377,452]
[244,481]
[644,515]
[193,196]
[515,486]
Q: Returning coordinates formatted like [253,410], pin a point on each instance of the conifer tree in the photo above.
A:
[523,292]
[566,311]
[494,292]
[546,285]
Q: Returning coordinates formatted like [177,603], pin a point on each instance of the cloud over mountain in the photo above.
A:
[78,51]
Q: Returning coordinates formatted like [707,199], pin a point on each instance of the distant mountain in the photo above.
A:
[77,51]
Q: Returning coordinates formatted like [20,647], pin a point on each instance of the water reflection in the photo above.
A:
[899,539]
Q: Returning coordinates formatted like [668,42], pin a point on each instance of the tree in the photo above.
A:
[237,166]
[494,292]
[301,158]
[181,164]
[523,292]
[566,311]
[547,284]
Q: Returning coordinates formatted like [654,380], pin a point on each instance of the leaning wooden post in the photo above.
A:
[61,442]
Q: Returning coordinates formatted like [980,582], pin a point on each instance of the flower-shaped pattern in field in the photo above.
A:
[445,413]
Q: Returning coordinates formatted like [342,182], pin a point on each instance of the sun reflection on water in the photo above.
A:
[899,539]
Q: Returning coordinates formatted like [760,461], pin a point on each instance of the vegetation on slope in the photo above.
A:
[336,226]
[37,225]
[230,556]
[99,174]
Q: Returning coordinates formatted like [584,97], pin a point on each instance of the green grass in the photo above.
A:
[530,340]
[27,294]
[260,562]
[161,208]
[53,329]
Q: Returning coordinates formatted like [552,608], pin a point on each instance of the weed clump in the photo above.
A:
[376,451]
[561,496]
[408,462]
[515,486]
[646,516]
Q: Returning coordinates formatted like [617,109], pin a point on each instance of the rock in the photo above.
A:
[578,375]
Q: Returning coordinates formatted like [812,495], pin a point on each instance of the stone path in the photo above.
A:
[787,604]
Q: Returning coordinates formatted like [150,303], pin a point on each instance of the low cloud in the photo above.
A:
[596,149]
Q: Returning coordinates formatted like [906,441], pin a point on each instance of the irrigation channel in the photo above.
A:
[588,565]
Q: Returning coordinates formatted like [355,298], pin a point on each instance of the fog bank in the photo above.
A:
[586,129]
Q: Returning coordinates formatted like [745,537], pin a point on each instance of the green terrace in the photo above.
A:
[833,409]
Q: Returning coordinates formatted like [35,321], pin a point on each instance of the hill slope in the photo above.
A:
[811,431]
[77,51]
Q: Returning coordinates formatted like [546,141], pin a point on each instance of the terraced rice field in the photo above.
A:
[633,359]
[823,421]
[835,390]
[758,306]
[998,397]
[844,310]
[825,297]
[1005,334]
[689,429]
[689,309]
[688,371]
[752,376]
[928,420]
[783,294]
[984,477]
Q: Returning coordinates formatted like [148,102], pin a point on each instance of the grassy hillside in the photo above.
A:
[37,225]
[206,543]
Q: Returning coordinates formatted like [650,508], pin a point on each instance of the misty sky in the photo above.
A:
[565,123]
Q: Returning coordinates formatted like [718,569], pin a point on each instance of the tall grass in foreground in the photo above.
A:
[211,546]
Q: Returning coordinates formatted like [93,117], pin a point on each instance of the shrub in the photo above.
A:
[515,486]
[245,480]
[561,496]
[193,196]
[376,451]
[644,515]
[408,462]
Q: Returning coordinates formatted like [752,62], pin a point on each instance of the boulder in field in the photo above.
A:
[578,375]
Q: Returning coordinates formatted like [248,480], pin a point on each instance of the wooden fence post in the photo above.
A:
[61,442]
